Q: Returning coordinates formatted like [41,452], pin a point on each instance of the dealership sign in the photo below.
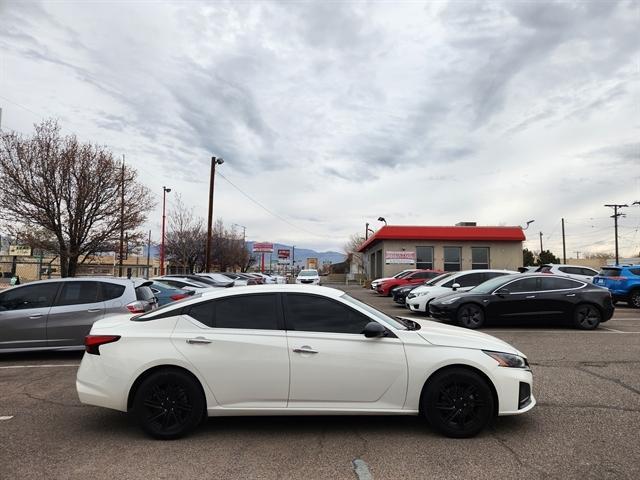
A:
[399,257]
[284,253]
[263,247]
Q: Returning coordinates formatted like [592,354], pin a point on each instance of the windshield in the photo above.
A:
[308,273]
[439,278]
[374,312]
[609,272]
[490,285]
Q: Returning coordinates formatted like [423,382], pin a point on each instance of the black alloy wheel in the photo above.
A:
[634,299]
[168,404]
[470,316]
[587,317]
[458,403]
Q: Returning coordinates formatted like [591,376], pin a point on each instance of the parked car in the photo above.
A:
[58,314]
[308,276]
[165,293]
[183,283]
[573,271]
[418,300]
[413,278]
[623,281]
[209,279]
[239,279]
[258,277]
[401,293]
[378,281]
[208,355]
[529,297]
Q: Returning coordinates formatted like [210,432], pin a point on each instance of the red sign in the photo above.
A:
[284,253]
[263,247]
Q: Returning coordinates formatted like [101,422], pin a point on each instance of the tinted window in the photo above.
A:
[588,272]
[479,257]
[111,290]
[317,314]
[572,270]
[470,280]
[258,312]
[524,285]
[424,275]
[29,296]
[635,271]
[75,293]
[610,272]
[557,283]
[452,259]
[144,293]
[424,257]
[175,283]
[490,275]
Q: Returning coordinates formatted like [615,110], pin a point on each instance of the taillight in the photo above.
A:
[178,296]
[136,307]
[93,342]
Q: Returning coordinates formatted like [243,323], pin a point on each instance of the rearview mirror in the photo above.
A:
[374,329]
[455,286]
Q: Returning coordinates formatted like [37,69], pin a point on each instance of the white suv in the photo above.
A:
[309,276]
[578,272]
[419,298]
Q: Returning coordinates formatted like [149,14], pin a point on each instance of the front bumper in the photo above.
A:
[442,312]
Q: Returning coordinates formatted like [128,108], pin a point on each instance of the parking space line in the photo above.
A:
[5,417]
[362,470]
[612,330]
[41,366]
[564,332]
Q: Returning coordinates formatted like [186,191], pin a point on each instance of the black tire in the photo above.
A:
[168,404]
[587,316]
[470,315]
[458,403]
[634,299]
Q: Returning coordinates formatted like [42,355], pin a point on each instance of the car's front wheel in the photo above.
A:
[168,404]
[587,317]
[470,316]
[458,403]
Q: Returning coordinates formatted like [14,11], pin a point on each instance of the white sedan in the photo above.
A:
[296,350]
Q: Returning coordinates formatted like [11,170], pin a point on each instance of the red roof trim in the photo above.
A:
[474,234]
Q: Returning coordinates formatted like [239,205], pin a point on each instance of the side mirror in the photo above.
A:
[502,292]
[374,329]
[455,286]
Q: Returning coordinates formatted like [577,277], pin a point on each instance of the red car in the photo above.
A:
[414,278]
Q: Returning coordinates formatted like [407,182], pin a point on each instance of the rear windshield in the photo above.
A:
[610,272]
[544,269]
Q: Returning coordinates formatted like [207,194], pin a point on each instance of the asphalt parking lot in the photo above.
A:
[586,424]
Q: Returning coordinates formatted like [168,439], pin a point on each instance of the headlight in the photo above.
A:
[508,359]
[449,301]
[420,294]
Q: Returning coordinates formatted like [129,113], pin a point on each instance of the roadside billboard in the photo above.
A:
[284,253]
[312,263]
[263,247]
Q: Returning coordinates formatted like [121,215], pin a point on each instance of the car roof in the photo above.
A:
[119,280]
[253,289]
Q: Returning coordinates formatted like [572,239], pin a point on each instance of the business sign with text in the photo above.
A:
[399,257]
[263,247]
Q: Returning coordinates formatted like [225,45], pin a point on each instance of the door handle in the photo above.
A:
[94,310]
[304,349]
[530,296]
[33,317]
[198,341]
[570,295]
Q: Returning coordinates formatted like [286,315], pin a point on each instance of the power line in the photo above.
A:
[270,212]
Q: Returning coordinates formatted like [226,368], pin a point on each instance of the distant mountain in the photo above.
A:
[302,254]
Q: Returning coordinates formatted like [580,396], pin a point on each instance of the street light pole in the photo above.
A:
[207,254]
[165,190]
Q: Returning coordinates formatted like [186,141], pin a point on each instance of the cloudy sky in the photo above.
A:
[330,114]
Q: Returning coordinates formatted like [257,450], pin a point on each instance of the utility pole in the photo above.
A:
[564,247]
[366,231]
[121,220]
[293,260]
[615,216]
[578,255]
[207,254]
[540,242]
[149,255]
[165,190]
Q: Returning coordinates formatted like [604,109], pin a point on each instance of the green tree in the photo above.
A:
[547,257]
[528,259]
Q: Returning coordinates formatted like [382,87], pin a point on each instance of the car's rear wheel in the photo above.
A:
[458,403]
[470,316]
[168,404]
[587,317]
[634,299]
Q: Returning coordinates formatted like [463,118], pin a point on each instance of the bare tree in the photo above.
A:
[68,192]
[186,238]
[353,256]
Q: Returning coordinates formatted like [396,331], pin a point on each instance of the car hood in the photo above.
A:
[450,336]
[422,288]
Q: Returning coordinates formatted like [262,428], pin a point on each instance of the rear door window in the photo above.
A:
[77,293]
[558,283]
[524,285]
[29,296]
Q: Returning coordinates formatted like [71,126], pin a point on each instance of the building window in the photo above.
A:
[452,259]
[424,257]
[479,257]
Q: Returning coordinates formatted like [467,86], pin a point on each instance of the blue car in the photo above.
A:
[167,294]
[623,281]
